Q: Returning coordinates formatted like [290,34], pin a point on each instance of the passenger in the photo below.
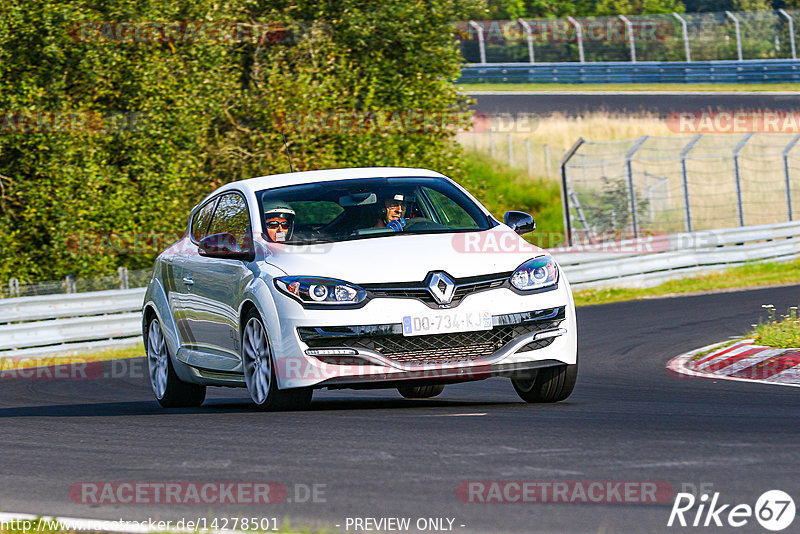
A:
[278,221]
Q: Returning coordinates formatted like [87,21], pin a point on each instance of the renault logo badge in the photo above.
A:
[441,287]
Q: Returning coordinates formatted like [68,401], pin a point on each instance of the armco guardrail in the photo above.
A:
[747,71]
[51,324]
[650,261]
[36,326]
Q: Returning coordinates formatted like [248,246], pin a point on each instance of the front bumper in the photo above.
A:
[378,353]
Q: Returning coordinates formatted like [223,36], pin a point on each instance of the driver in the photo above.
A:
[392,214]
[278,221]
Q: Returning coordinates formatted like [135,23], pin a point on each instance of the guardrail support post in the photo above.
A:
[510,150]
[123,277]
[579,34]
[628,24]
[685,36]
[684,175]
[564,188]
[529,33]
[786,176]
[736,151]
[491,142]
[791,33]
[69,281]
[481,43]
[547,159]
[528,152]
[631,191]
[738,33]
[13,287]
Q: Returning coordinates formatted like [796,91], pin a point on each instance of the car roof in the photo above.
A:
[252,185]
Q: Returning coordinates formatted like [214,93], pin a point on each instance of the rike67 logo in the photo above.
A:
[774,510]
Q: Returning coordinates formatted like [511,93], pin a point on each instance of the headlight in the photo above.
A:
[314,290]
[535,274]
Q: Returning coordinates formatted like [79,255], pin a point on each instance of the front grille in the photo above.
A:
[389,341]
[419,291]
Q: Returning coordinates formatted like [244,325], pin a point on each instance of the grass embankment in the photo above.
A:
[9,364]
[622,87]
[781,332]
[503,189]
[743,277]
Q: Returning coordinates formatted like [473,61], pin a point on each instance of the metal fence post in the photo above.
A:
[791,33]
[579,31]
[529,33]
[786,176]
[685,36]
[530,160]
[123,277]
[736,151]
[481,43]
[630,36]
[510,150]
[564,191]
[547,160]
[13,287]
[684,175]
[631,192]
[69,281]
[738,33]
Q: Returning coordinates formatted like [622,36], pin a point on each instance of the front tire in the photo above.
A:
[549,384]
[259,371]
[169,390]
[420,392]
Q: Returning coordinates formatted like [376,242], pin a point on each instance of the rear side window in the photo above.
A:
[231,217]
[201,220]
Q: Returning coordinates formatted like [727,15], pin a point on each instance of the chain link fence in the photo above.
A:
[537,159]
[661,185]
[124,279]
[713,36]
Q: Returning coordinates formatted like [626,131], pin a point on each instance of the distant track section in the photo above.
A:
[661,103]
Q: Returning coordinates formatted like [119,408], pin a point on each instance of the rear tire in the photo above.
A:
[169,390]
[549,384]
[420,392]
[259,371]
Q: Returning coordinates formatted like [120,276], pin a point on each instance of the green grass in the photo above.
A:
[781,332]
[750,275]
[621,87]
[501,189]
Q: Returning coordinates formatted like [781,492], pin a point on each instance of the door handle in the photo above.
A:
[188,281]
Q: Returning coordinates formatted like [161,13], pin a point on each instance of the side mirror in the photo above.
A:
[519,221]
[223,246]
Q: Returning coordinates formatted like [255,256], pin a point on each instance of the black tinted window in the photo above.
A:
[201,220]
[231,217]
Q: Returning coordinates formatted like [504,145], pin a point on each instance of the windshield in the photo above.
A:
[372,207]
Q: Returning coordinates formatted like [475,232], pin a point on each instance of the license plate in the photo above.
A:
[442,323]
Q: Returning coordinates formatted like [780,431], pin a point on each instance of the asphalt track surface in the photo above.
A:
[661,104]
[383,456]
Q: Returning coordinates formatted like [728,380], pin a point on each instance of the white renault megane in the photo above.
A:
[355,278]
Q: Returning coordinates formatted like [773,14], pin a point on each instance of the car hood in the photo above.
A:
[406,257]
